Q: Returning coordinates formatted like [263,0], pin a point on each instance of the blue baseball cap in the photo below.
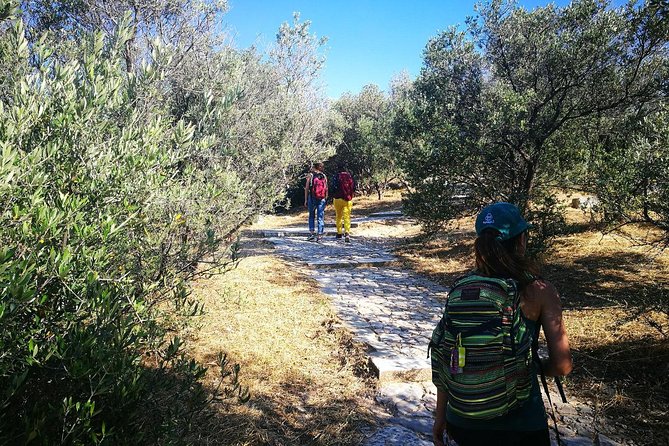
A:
[504,217]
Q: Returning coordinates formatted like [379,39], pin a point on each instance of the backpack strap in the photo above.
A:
[431,345]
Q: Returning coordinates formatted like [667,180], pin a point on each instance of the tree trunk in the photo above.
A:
[129,65]
[527,187]
[646,212]
[128,56]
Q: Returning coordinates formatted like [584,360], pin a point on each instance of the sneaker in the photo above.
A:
[347,239]
[339,235]
[311,238]
[318,239]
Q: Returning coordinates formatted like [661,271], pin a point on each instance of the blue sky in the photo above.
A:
[369,41]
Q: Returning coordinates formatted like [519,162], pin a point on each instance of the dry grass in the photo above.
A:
[444,256]
[368,204]
[309,383]
[612,289]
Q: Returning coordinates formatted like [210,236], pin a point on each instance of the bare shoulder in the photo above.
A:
[542,289]
[537,297]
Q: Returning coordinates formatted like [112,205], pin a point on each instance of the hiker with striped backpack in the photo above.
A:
[484,349]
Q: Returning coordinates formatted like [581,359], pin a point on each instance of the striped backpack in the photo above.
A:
[481,348]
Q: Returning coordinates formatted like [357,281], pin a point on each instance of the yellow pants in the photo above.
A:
[343,211]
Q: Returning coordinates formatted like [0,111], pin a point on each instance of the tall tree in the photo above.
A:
[497,122]
[437,130]
[364,120]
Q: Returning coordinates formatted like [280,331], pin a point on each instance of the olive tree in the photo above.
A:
[495,108]
[363,123]
[631,178]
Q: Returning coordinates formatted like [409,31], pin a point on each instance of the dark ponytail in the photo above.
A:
[506,259]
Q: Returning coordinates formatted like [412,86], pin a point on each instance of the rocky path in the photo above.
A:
[393,311]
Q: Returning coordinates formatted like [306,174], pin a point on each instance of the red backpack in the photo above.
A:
[319,186]
[345,185]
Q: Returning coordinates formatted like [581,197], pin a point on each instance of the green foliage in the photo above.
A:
[505,113]
[96,221]
[437,130]
[117,187]
[277,123]
[360,125]
[632,183]
[8,10]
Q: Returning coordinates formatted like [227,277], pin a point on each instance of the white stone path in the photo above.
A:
[393,312]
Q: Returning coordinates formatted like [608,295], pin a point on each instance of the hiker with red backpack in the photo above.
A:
[315,197]
[484,349]
[343,190]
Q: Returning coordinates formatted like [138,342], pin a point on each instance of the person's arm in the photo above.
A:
[439,427]
[327,188]
[559,361]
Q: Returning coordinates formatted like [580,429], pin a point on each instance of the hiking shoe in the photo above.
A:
[347,239]
[339,236]
[318,239]
[311,238]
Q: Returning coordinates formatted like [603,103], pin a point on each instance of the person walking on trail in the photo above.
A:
[315,197]
[484,349]
[343,188]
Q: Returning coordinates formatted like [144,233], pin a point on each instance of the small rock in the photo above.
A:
[395,435]
[416,424]
[606,441]
[575,441]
